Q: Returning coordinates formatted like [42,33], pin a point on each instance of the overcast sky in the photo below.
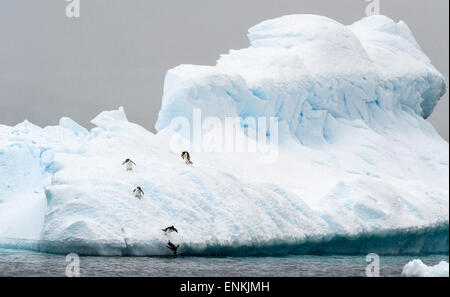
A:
[118,51]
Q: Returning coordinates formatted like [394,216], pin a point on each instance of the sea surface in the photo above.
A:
[27,263]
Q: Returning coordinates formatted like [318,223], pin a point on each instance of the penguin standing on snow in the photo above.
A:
[129,164]
[138,192]
[186,157]
[173,248]
[169,229]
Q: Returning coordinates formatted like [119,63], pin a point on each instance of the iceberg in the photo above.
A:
[416,268]
[358,169]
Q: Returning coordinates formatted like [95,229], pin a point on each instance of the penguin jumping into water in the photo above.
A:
[129,164]
[170,229]
[138,192]
[173,248]
[186,157]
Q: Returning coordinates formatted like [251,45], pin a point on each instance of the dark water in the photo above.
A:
[25,263]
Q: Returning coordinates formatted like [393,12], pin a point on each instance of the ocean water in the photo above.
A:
[27,263]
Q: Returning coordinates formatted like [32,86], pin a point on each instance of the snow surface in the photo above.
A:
[416,268]
[358,168]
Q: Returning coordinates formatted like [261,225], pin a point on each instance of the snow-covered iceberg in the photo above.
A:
[357,170]
[416,268]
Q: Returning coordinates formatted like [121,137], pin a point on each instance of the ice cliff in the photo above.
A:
[358,168]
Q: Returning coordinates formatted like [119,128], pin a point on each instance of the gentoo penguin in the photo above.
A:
[138,192]
[129,164]
[170,229]
[186,157]
[173,248]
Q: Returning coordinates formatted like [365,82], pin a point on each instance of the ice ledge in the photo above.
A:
[396,242]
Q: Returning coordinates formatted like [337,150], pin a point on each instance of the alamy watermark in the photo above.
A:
[73,8]
[226,135]
[373,8]
[373,269]
[73,268]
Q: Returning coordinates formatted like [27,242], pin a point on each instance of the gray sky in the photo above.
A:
[118,51]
